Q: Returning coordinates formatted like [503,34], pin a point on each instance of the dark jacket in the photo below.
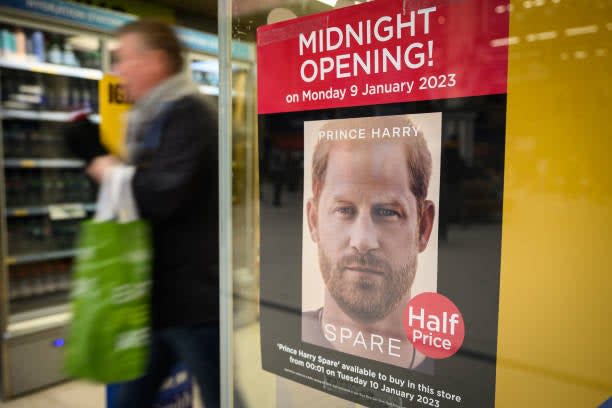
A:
[176,190]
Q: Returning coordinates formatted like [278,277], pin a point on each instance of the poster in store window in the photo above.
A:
[368,117]
[364,244]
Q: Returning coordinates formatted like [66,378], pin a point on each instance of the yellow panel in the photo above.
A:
[555,326]
[113,114]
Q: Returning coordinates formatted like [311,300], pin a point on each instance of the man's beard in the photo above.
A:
[367,298]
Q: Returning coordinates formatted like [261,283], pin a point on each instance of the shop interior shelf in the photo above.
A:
[39,210]
[54,69]
[36,315]
[41,256]
[44,163]
[49,116]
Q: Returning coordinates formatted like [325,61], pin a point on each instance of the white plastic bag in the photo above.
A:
[115,196]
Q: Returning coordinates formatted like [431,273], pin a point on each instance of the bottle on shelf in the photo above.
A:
[17,287]
[52,97]
[9,139]
[9,189]
[27,287]
[36,238]
[49,140]
[68,56]
[70,193]
[75,95]
[54,55]
[20,43]
[30,48]
[86,89]
[13,287]
[38,45]
[64,275]
[56,186]
[64,97]
[9,46]
[39,141]
[20,139]
[47,190]
[33,142]
[32,196]
[36,282]
[16,182]
[22,183]
[9,86]
[52,281]
[15,236]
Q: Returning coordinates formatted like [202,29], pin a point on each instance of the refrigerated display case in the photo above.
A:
[47,75]
[51,64]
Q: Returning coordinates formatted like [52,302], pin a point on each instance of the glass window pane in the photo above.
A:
[506,158]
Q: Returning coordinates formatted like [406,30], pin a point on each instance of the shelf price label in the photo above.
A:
[27,163]
[21,212]
[45,69]
[66,211]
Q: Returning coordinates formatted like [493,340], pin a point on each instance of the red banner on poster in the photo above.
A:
[384,51]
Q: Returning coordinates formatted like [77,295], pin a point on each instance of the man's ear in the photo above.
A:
[426,224]
[311,213]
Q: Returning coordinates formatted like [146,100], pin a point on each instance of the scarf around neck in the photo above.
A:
[146,110]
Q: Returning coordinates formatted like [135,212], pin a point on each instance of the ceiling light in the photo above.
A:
[545,35]
[581,54]
[331,3]
[581,30]
[501,42]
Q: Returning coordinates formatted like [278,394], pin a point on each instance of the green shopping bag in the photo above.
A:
[109,333]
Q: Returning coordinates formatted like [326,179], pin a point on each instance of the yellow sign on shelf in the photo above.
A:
[113,114]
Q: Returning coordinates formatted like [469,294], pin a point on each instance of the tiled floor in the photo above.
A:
[67,395]
[75,394]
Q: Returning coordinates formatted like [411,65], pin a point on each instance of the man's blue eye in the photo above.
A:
[385,212]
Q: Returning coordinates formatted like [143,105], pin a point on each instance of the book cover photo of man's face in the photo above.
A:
[370,198]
